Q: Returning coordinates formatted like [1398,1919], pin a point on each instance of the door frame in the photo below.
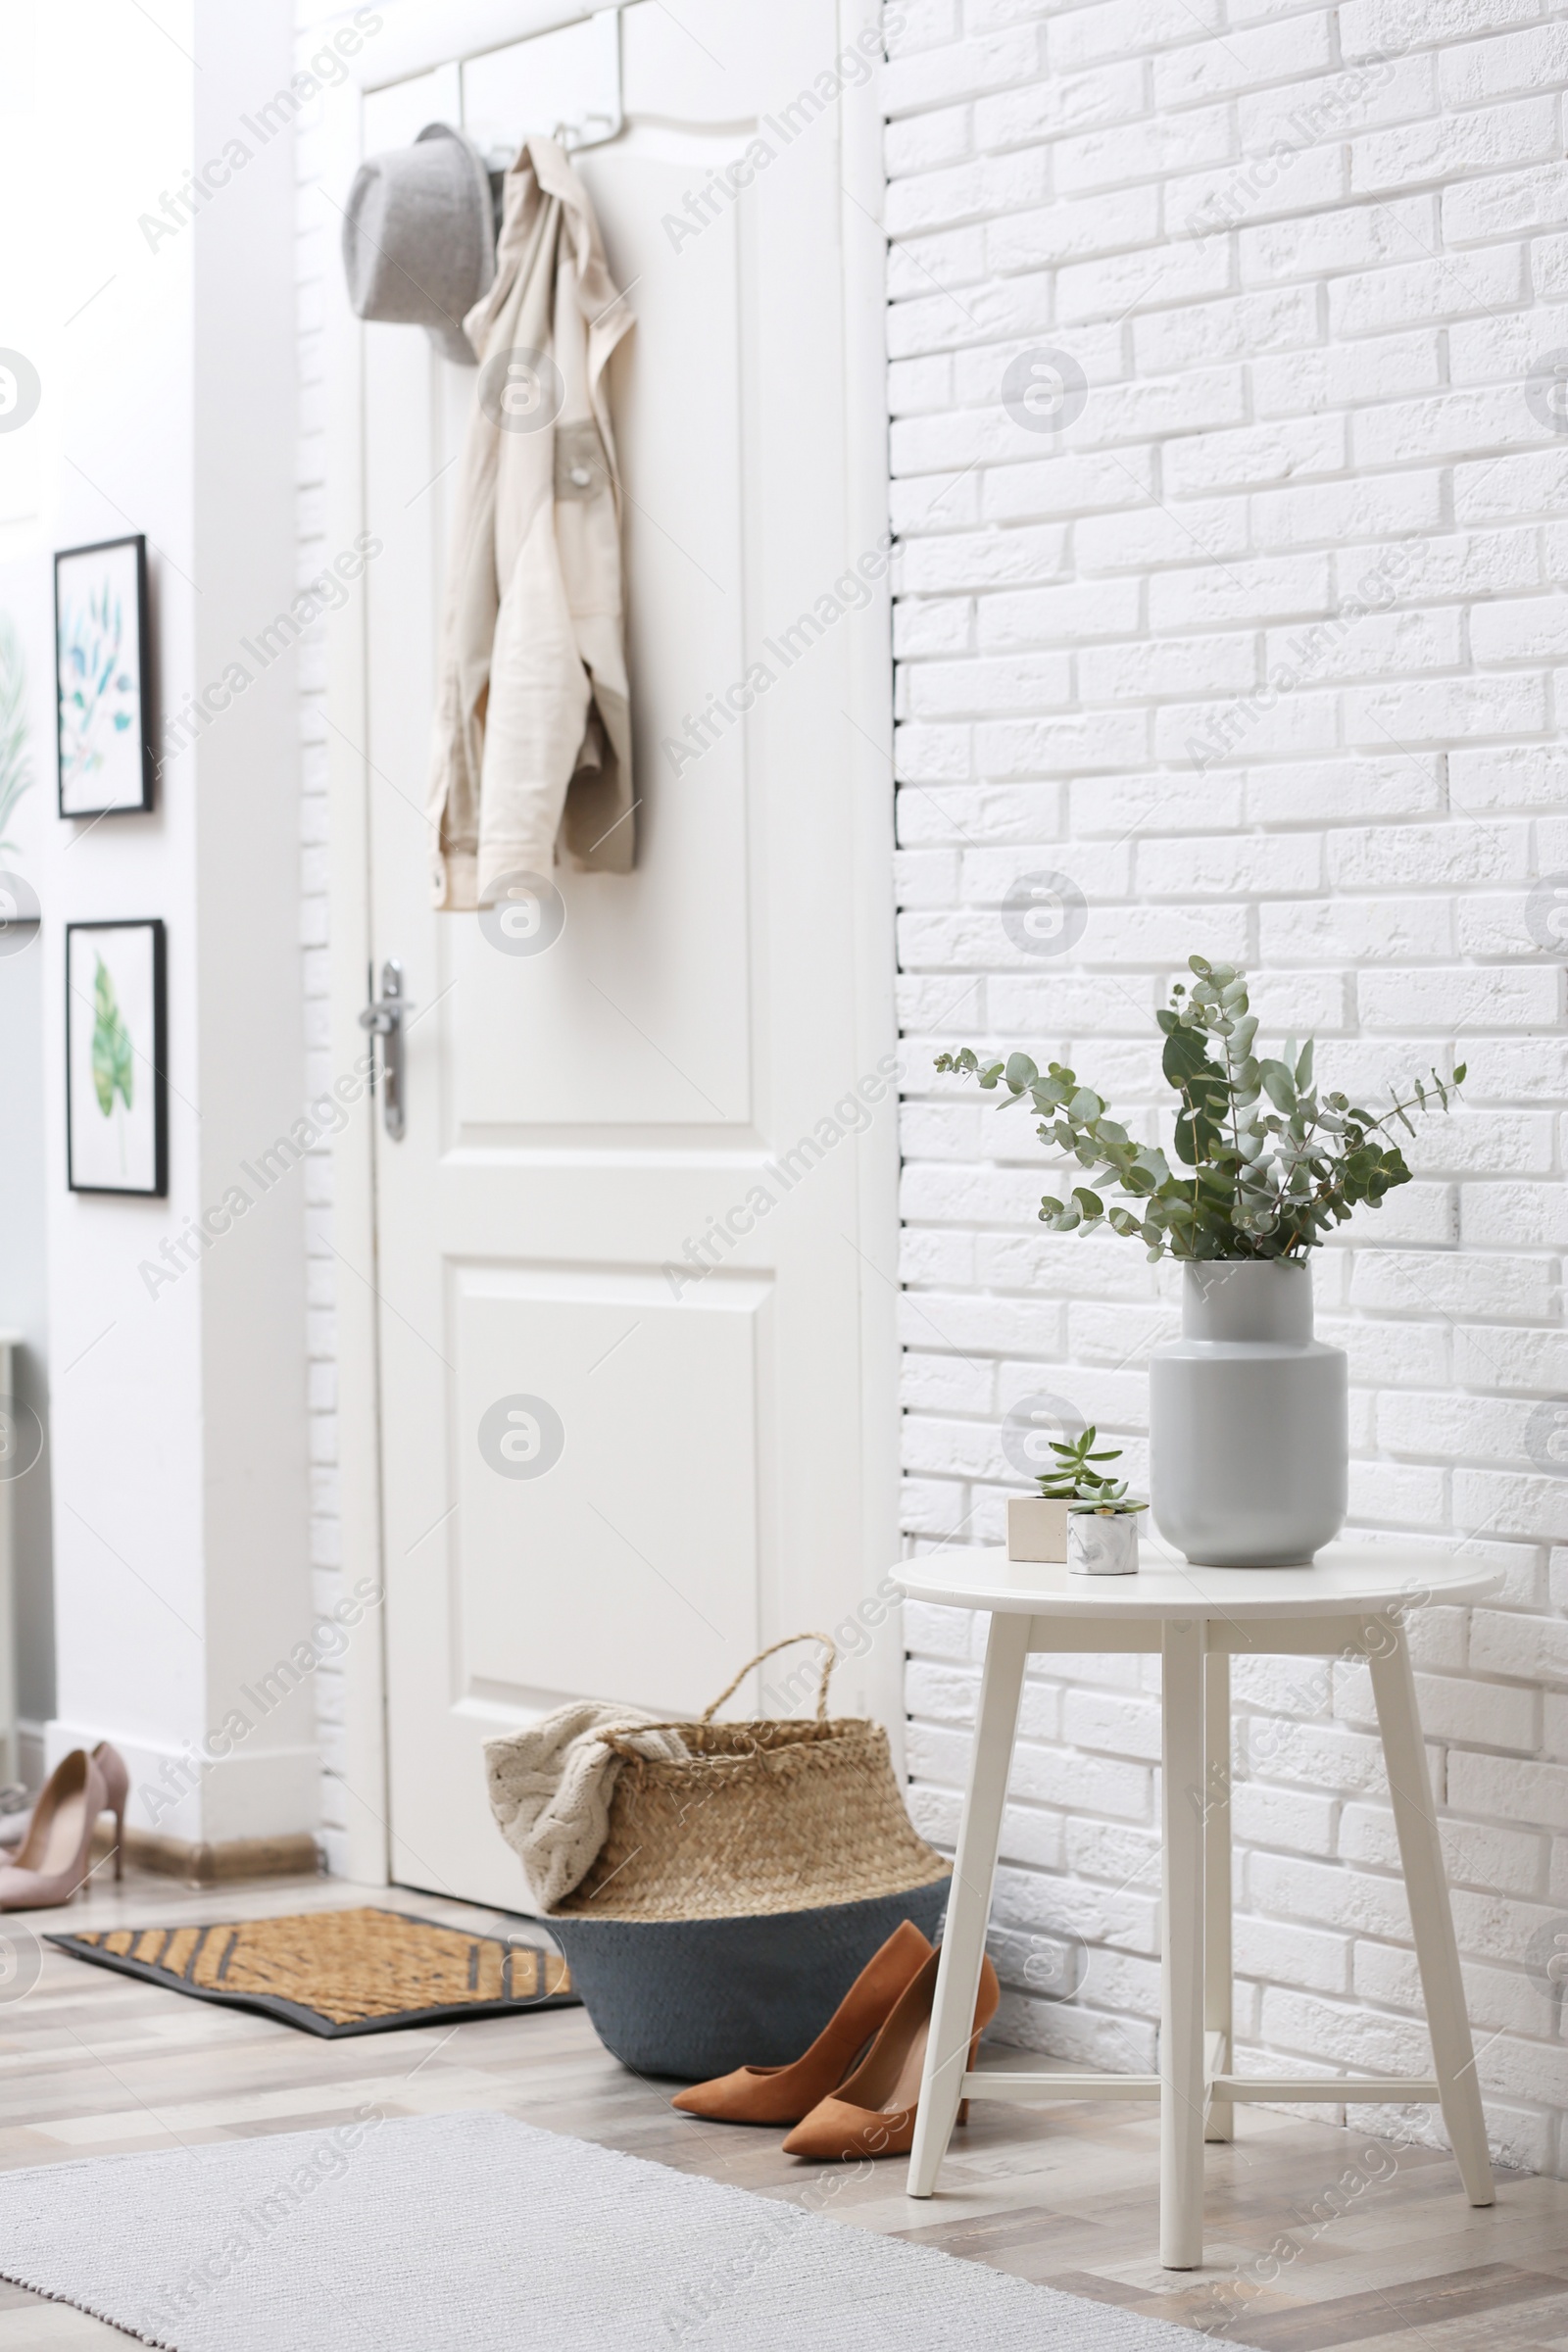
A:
[416,36]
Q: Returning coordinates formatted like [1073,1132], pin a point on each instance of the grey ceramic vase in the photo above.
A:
[1249,1435]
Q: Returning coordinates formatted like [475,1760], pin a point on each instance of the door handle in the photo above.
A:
[383,1017]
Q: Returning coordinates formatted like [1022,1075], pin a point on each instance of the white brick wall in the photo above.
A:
[1328,393]
[1319,404]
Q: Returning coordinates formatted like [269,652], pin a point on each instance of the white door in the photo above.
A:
[631,1430]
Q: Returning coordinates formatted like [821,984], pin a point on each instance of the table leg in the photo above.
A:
[1426,1883]
[1181,2032]
[963,1941]
[1218,1962]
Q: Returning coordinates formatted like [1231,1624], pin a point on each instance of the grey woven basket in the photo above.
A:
[696,1997]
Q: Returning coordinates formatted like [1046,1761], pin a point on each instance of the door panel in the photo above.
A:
[659,955]
[658,1409]
[608,1471]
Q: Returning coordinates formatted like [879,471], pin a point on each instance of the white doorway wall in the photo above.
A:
[711,1033]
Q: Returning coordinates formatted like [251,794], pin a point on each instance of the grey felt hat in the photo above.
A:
[418,237]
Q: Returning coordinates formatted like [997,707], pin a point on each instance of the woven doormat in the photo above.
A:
[336,1972]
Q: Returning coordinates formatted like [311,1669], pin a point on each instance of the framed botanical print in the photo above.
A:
[103,661]
[117,1097]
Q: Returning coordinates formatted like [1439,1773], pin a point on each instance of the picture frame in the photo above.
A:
[104,679]
[117,1091]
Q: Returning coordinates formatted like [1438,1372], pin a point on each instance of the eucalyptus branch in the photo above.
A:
[1275,1165]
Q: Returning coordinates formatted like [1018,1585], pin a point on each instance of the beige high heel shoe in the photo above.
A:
[873,2112]
[55,1857]
[782,2095]
[116,1778]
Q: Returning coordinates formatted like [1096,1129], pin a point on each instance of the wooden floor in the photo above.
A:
[93,2063]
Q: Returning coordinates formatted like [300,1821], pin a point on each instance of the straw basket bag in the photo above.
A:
[778,1814]
[740,1891]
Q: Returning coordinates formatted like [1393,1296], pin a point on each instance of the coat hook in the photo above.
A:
[599,125]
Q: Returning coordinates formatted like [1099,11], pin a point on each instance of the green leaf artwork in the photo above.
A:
[16,765]
[111,1052]
[1268,1165]
[97,691]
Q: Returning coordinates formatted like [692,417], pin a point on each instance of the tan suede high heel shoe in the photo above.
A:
[872,2114]
[782,2095]
[56,1853]
[116,1778]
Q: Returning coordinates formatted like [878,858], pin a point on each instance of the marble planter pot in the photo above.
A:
[1248,1432]
[1102,1542]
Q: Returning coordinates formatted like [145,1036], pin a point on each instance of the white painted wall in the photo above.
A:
[177,1422]
[1328,390]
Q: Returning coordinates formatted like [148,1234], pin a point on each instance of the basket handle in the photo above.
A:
[828,1664]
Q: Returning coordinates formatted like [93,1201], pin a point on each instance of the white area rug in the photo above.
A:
[475,2232]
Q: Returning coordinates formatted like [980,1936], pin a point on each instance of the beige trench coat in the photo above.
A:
[532,754]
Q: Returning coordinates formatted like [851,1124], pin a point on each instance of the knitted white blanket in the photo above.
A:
[551,1786]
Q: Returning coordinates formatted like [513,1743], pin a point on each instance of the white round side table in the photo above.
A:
[1353,1602]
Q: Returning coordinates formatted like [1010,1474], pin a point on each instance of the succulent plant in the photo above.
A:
[1076,1482]
[1273,1163]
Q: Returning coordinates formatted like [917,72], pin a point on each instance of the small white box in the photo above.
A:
[1037,1528]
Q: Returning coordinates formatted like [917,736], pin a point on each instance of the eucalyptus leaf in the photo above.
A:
[1278,1085]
